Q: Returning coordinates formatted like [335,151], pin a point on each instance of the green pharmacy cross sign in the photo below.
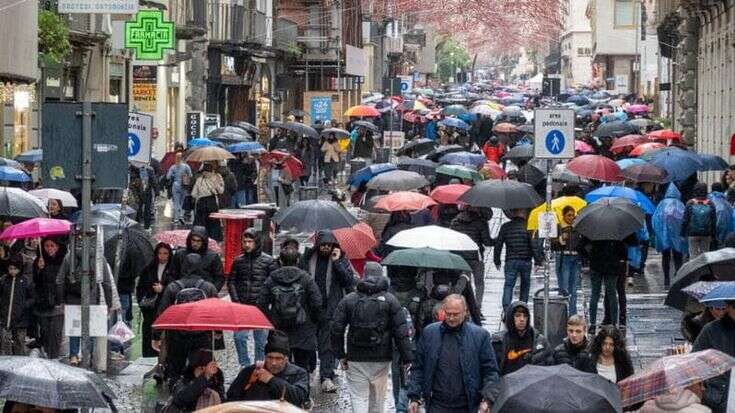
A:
[149,35]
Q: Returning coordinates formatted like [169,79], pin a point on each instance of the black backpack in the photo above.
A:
[189,294]
[368,321]
[288,308]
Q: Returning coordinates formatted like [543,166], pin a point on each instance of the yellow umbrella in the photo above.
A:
[557,205]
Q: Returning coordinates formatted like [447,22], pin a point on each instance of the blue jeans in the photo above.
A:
[567,271]
[75,344]
[178,194]
[244,197]
[241,345]
[400,392]
[513,270]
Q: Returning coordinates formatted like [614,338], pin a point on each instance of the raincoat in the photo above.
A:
[724,212]
[667,220]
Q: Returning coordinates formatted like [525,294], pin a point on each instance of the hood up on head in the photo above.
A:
[201,232]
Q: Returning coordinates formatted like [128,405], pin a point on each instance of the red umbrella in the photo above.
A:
[404,201]
[491,170]
[627,141]
[212,314]
[646,147]
[292,164]
[664,134]
[413,117]
[177,238]
[356,240]
[596,167]
[449,194]
[169,159]
[583,147]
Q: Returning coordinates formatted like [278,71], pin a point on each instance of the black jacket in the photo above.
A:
[245,172]
[44,283]
[568,353]
[149,277]
[474,226]
[518,243]
[211,266]
[512,350]
[302,337]
[16,301]
[718,335]
[249,272]
[623,365]
[607,257]
[396,224]
[364,146]
[187,390]
[391,318]
[293,379]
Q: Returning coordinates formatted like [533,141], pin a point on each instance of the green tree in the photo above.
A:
[450,56]
[53,37]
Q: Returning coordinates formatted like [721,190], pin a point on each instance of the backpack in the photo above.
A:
[699,220]
[368,322]
[189,294]
[288,308]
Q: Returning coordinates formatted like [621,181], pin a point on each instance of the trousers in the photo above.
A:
[367,382]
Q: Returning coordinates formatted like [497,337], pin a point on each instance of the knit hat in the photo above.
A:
[277,343]
[372,269]
[200,358]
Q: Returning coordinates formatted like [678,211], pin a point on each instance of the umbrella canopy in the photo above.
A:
[716,265]
[212,314]
[417,146]
[51,384]
[454,123]
[362,176]
[426,258]
[232,137]
[712,163]
[520,153]
[404,201]
[628,162]
[314,215]
[674,372]
[615,129]
[364,111]
[630,194]
[596,167]
[10,174]
[32,156]
[209,153]
[665,134]
[642,123]
[562,174]
[557,205]
[442,150]
[485,110]
[530,174]
[491,170]
[260,406]
[292,164]
[66,198]
[136,250]
[365,124]
[646,147]
[723,292]
[201,143]
[37,227]
[449,194]
[356,240]
[679,163]
[461,172]
[433,236]
[106,218]
[454,110]
[248,127]
[12,163]
[248,147]
[301,129]
[410,104]
[463,158]
[17,203]
[609,219]
[232,130]
[339,133]
[535,389]
[646,173]
[638,109]
[701,288]
[578,100]
[505,127]
[627,142]
[177,239]
[397,181]
[504,194]
[423,167]
[583,147]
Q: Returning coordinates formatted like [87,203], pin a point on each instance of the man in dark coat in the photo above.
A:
[574,345]
[16,302]
[274,379]
[520,253]
[454,368]
[364,145]
[473,223]
[301,336]
[376,324]
[211,264]
[718,335]
[520,344]
[248,274]
[334,276]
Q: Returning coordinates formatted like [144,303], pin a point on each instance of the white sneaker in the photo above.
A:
[328,386]
[630,281]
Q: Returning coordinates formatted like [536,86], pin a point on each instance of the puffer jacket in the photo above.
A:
[568,353]
[211,264]
[395,329]
[249,272]
[518,243]
[474,226]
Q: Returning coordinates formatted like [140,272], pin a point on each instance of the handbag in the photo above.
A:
[148,302]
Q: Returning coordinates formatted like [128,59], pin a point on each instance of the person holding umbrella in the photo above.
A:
[331,155]
[719,335]
[49,314]
[208,187]
[180,177]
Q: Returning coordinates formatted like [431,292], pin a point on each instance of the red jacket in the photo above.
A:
[493,152]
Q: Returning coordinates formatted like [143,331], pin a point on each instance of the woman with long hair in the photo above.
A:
[46,308]
[607,356]
[153,280]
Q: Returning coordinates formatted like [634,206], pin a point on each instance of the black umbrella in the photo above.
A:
[297,113]
[275,124]
[51,384]
[505,194]
[232,130]
[17,203]
[711,266]
[535,389]
[232,137]
[314,215]
[339,133]
[365,124]
[525,129]
[418,146]
[609,219]
[530,174]
[301,129]
[616,129]
[397,181]
[423,167]
[248,127]
[520,153]
[646,173]
[443,150]
[136,250]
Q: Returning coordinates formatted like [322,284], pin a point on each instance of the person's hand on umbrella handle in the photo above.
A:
[484,407]
[156,345]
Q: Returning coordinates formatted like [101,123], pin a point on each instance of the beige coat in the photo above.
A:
[331,151]
[209,183]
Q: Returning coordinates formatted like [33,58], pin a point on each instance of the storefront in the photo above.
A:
[19,118]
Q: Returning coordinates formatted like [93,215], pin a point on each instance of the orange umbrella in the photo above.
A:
[627,141]
[646,147]
[505,128]
[362,111]
[491,170]
[449,194]
[356,240]
[404,201]
[665,134]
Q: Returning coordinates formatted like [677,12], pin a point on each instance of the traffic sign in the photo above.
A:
[554,130]
[140,128]
[406,84]
[149,35]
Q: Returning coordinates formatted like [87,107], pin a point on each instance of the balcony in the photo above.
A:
[86,28]
[260,29]
[190,17]
[285,35]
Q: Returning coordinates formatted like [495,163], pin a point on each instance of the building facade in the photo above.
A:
[614,43]
[576,44]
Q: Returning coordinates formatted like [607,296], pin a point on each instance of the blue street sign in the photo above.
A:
[133,144]
[555,141]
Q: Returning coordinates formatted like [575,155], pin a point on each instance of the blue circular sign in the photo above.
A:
[555,142]
[133,144]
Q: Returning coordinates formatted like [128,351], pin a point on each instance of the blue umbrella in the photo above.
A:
[361,176]
[454,123]
[712,163]
[463,158]
[467,117]
[202,142]
[679,163]
[245,147]
[628,162]
[32,156]
[723,292]
[622,192]
[13,175]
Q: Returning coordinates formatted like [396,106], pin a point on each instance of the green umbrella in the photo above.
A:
[426,258]
[454,110]
[459,171]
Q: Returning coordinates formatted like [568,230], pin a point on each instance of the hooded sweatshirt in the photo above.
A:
[518,348]
[249,272]
[211,263]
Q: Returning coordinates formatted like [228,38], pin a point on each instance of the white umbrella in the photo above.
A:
[66,198]
[433,236]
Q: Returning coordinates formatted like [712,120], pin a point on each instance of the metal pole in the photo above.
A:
[86,204]
[547,250]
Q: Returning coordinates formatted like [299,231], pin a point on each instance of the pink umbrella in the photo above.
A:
[37,227]
[636,109]
[583,147]
[177,238]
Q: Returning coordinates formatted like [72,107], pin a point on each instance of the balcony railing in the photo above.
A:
[260,29]
[285,34]
[190,17]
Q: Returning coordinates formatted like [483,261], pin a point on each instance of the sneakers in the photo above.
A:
[629,280]
[328,386]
